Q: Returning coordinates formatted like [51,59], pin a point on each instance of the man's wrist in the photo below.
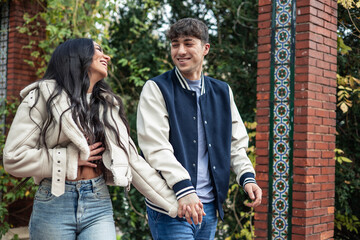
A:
[183,188]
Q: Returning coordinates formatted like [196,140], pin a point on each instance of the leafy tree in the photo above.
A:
[142,52]
[65,19]
[348,114]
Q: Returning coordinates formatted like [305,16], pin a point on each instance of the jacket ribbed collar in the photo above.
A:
[184,83]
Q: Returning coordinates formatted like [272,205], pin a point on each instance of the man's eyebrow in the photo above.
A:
[185,40]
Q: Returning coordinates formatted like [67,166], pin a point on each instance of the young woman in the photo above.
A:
[70,133]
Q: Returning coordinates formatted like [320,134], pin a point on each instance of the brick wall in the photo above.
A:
[314,119]
[19,73]
[263,115]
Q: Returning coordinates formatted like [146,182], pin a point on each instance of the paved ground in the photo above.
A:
[23,233]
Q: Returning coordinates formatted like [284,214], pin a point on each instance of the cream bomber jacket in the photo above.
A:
[23,157]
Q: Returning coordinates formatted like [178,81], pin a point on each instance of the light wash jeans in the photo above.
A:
[83,212]
[164,227]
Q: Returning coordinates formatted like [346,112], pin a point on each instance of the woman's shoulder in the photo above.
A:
[112,98]
[47,85]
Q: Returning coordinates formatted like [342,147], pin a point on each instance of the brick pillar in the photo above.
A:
[19,73]
[315,120]
[262,115]
[308,148]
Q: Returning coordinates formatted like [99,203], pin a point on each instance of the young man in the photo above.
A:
[190,130]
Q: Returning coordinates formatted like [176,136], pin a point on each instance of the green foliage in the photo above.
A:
[142,52]
[8,182]
[129,213]
[64,19]
[134,38]
[347,179]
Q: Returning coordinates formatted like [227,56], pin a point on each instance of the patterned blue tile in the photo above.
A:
[281,123]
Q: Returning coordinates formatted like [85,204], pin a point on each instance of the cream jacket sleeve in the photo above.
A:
[153,135]
[240,163]
[22,154]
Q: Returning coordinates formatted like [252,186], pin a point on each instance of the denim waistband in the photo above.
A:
[69,185]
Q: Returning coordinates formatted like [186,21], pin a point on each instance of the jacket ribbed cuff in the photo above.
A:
[183,188]
[247,178]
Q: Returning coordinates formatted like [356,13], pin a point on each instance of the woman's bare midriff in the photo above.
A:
[85,173]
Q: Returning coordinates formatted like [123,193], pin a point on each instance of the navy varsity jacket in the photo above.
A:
[218,113]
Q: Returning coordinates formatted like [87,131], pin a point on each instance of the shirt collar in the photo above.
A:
[184,83]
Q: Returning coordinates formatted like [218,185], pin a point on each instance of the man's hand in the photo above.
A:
[191,207]
[255,194]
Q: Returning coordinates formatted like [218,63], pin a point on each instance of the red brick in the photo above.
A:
[265,24]
[303,179]
[328,154]
[320,195]
[263,80]
[303,196]
[265,16]
[324,15]
[320,228]
[265,48]
[303,162]
[302,230]
[328,202]
[303,212]
[264,2]
[323,64]
[263,96]
[263,56]
[264,32]
[264,40]
[327,218]
[260,234]
[327,235]
[261,152]
[328,170]
[264,9]
[261,216]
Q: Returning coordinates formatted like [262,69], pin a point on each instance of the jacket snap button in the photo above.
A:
[194,141]
[209,145]
[214,167]
[205,122]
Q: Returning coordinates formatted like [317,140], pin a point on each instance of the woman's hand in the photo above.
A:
[95,150]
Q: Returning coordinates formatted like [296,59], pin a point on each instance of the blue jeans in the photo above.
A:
[164,227]
[83,212]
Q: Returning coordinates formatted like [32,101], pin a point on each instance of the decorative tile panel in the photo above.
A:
[281,119]
[4,23]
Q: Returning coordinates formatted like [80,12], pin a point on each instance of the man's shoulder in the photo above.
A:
[216,83]
[162,77]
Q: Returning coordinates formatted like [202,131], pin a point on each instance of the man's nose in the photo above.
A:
[182,49]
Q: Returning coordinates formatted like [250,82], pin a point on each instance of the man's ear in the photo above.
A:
[206,48]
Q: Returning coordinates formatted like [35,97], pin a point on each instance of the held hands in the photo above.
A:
[255,194]
[95,150]
[191,207]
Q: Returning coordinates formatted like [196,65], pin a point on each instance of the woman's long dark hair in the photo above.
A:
[69,66]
